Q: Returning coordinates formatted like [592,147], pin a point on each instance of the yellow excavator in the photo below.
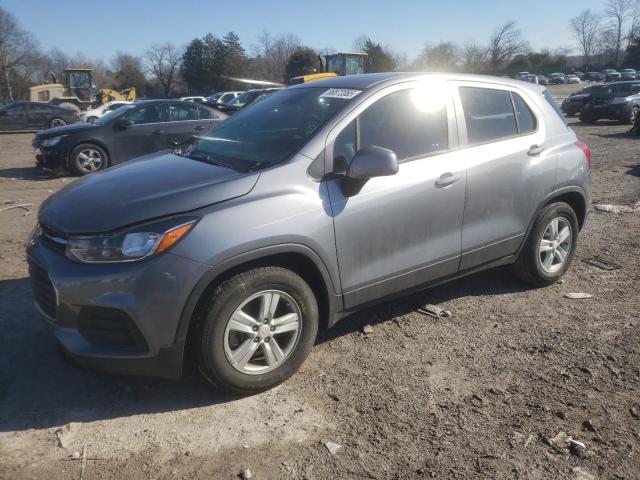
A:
[78,91]
[335,65]
[106,95]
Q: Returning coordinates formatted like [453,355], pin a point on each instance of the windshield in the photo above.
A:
[106,118]
[268,132]
[243,99]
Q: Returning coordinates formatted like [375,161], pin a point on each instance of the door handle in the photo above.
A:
[535,150]
[200,127]
[447,179]
[158,132]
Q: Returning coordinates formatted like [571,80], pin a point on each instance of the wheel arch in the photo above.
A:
[575,198]
[298,258]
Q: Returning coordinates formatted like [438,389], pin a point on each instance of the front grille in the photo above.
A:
[43,291]
[111,328]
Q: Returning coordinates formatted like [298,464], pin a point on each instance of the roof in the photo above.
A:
[370,80]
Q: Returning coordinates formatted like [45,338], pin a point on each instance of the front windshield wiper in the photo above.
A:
[208,158]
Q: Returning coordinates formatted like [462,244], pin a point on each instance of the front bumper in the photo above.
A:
[150,295]
[50,158]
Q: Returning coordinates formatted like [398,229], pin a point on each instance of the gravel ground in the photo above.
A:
[482,394]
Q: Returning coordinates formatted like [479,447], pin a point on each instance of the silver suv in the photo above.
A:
[309,205]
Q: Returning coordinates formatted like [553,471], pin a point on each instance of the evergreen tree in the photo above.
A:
[303,61]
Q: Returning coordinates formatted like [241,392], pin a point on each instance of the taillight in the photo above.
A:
[585,149]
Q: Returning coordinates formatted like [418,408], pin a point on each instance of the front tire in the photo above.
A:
[87,158]
[257,330]
[550,246]
[633,115]
[57,122]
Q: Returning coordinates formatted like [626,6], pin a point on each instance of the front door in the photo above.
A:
[147,134]
[404,230]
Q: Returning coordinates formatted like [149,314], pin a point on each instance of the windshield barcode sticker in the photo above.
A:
[340,93]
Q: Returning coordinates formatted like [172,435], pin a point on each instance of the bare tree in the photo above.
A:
[440,57]
[618,11]
[16,46]
[634,23]
[505,43]
[163,62]
[272,54]
[473,58]
[585,29]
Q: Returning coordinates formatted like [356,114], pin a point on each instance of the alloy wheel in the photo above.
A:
[262,332]
[90,160]
[57,122]
[555,245]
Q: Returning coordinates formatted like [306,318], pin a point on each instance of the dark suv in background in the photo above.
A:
[615,101]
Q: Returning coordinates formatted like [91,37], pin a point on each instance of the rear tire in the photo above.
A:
[271,357]
[544,257]
[633,115]
[87,158]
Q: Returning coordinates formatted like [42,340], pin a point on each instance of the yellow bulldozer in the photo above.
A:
[335,65]
[78,91]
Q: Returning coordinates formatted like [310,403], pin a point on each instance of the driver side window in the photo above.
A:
[412,123]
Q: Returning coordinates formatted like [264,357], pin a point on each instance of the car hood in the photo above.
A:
[67,129]
[150,187]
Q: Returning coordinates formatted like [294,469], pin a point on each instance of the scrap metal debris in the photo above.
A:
[604,207]
[602,263]
[23,206]
[67,433]
[577,295]
[433,311]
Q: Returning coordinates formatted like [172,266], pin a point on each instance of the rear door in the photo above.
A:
[37,115]
[510,168]
[148,133]
[185,122]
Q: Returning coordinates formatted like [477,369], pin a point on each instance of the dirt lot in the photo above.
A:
[476,395]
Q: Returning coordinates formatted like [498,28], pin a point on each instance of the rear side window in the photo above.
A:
[488,114]
[526,120]
[547,96]
[183,112]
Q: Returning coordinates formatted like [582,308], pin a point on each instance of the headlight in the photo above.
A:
[50,142]
[131,245]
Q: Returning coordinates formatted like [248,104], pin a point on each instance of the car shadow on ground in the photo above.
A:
[26,173]
[624,134]
[498,281]
[633,170]
[39,389]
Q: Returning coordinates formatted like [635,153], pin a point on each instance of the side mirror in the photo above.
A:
[368,162]
[123,124]
[372,161]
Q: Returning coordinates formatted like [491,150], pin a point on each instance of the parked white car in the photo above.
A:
[572,79]
[193,99]
[222,97]
[92,115]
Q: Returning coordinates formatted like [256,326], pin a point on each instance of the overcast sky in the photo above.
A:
[99,29]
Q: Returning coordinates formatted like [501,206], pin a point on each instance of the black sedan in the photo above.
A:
[21,116]
[573,104]
[130,131]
